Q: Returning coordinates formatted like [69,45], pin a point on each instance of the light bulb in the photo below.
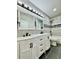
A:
[30,8]
[34,10]
[26,6]
[20,2]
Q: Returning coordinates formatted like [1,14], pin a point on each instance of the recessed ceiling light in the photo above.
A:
[54,9]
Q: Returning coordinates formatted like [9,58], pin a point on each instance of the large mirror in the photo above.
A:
[39,24]
[26,21]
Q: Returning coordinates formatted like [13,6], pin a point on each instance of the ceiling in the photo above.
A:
[47,6]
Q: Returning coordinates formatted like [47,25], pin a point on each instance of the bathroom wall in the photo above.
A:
[57,30]
[56,20]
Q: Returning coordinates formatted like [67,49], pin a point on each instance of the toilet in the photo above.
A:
[55,40]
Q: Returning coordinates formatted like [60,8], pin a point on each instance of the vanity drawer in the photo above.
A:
[41,39]
[41,51]
[41,44]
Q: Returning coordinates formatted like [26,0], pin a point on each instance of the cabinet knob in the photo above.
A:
[31,45]
[41,50]
[48,37]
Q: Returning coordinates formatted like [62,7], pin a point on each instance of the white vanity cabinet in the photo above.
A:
[33,47]
[25,49]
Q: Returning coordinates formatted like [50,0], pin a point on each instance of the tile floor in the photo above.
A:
[52,53]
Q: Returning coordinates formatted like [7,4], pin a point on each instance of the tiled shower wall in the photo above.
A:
[57,30]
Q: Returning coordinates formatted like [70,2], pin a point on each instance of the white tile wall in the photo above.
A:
[56,20]
[56,31]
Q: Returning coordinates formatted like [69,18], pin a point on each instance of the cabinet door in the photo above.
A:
[18,50]
[25,50]
[35,49]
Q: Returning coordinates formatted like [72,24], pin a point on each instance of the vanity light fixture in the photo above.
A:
[29,8]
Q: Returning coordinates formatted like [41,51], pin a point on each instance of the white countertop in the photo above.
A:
[30,37]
